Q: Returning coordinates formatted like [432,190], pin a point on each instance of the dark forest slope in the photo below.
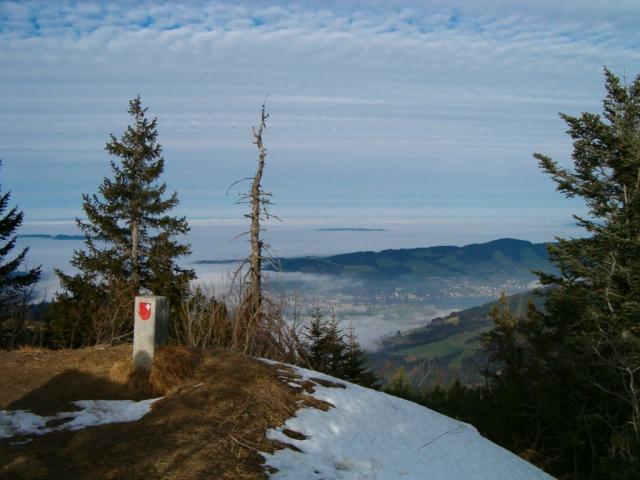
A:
[505,256]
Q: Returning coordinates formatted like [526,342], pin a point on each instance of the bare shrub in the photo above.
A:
[203,320]
[206,322]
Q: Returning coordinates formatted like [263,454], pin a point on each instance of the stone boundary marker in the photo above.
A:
[150,328]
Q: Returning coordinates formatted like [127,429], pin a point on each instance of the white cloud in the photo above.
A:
[371,99]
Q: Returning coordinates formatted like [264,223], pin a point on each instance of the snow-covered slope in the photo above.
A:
[372,435]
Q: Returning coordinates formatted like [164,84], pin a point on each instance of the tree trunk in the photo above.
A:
[135,277]
[255,259]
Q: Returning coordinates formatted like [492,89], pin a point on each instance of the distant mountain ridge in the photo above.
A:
[503,257]
[351,229]
[52,237]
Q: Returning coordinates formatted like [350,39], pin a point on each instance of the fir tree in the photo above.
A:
[324,344]
[353,363]
[518,377]
[130,244]
[329,351]
[572,374]
[12,279]
[593,315]
[316,341]
[335,348]
[507,343]
[15,281]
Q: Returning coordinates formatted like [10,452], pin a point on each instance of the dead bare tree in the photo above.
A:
[421,373]
[251,308]
[259,202]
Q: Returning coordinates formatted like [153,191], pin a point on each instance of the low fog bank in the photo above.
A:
[370,322]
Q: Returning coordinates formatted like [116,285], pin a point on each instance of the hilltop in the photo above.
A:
[226,416]
[506,256]
[208,424]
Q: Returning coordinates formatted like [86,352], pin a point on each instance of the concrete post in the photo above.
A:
[150,328]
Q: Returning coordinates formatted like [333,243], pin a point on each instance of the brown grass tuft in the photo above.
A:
[171,367]
[121,371]
[29,349]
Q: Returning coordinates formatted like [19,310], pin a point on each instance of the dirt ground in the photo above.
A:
[211,424]
[62,374]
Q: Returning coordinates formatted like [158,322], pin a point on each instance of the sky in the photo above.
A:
[423,113]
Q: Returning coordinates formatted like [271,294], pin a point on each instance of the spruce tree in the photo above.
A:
[316,341]
[335,346]
[353,363]
[594,311]
[329,351]
[130,244]
[573,372]
[12,279]
[520,395]
[324,344]
[15,280]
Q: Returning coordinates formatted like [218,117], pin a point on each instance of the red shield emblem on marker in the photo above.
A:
[144,310]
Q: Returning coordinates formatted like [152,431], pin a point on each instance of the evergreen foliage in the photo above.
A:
[15,280]
[593,322]
[329,351]
[563,386]
[130,244]
[316,346]
[354,361]
[336,346]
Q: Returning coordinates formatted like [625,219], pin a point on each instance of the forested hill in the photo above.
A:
[497,258]
[450,344]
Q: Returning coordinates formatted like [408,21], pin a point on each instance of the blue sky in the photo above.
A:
[379,110]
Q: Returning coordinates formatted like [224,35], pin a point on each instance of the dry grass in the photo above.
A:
[211,423]
[171,367]
[29,349]
[46,380]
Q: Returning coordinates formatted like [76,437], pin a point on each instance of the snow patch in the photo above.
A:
[92,412]
[371,435]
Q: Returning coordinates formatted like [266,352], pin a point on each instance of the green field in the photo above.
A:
[463,345]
